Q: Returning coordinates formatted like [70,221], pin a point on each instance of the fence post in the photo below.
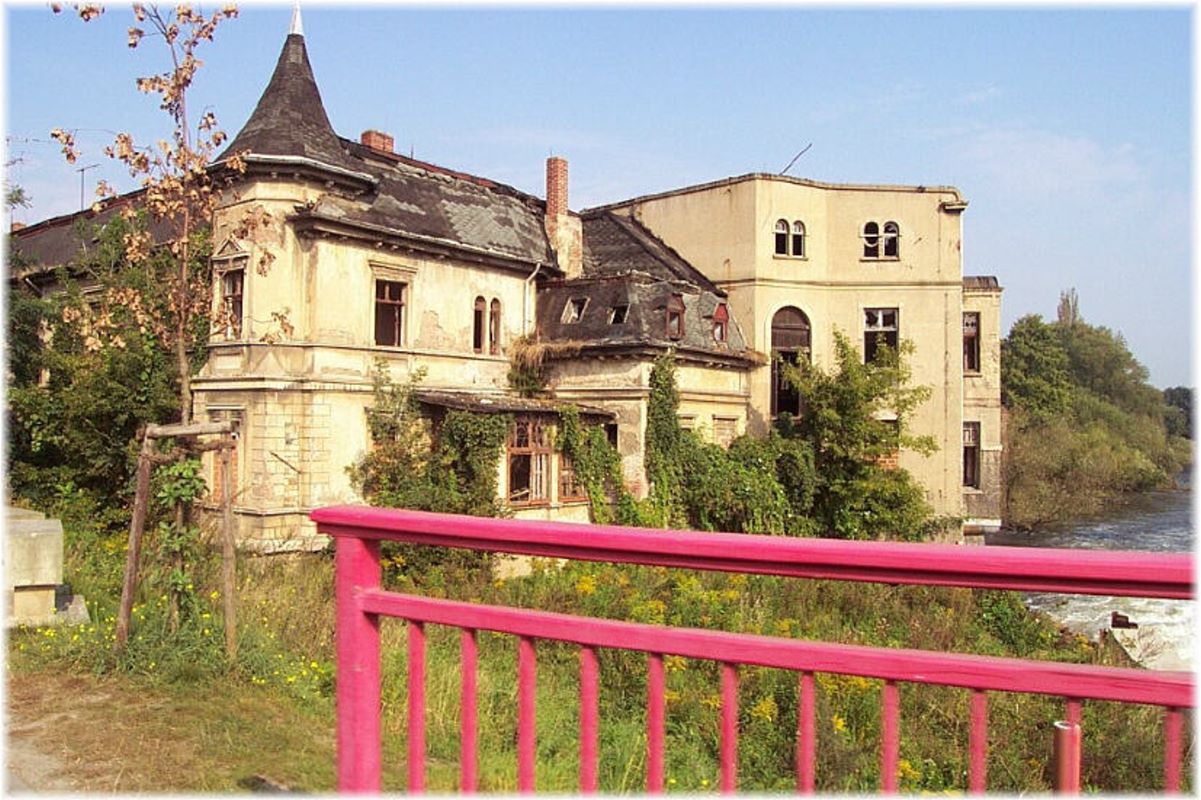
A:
[1067,758]
[357,687]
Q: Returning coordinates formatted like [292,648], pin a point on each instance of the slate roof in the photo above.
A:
[617,244]
[981,282]
[499,404]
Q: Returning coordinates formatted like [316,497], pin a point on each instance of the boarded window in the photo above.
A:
[477,325]
[231,302]
[871,240]
[389,313]
[782,237]
[675,317]
[529,453]
[971,454]
[892,240]
[880,327]
[494,327]
[971,341]
[789,344]
[570,489]
[721,323]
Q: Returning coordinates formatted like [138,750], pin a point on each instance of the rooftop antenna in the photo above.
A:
[297,27]
[794,158]
[82,170]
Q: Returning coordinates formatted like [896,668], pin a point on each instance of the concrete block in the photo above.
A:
[33,552]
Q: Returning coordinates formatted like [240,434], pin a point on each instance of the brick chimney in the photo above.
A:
[562,227]
[16,226]
[378,140]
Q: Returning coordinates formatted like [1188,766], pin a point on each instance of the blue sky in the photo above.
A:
[1067,130]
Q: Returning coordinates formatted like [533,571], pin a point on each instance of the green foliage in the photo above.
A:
[1085,428]
[1178,416]
[597,464]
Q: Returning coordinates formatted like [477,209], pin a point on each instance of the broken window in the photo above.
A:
[971,454]
[782,237]
[529,452]
[790,337]
[231,302]
[879,328]
[618,314]
[574,310]
[477,325]
[570,489]
[971,341]
[389,313]
[871,240]
[675,317]
[798,238]
[611,434]
[892,240]
[494,327]
[721,323]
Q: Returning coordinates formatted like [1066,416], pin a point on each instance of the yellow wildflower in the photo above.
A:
[765,709]
[839,723]
[586,585]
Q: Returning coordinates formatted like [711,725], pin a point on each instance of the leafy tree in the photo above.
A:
[1178,418]
[1035,370]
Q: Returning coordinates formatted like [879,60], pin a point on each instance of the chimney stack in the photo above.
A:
[378,140]
[564,229]
[16,226]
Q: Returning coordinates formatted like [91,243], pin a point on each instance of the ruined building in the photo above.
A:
[379,256]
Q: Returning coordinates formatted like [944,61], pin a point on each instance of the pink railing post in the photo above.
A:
[467,712]
[1067,758]
[589,712]
[655,687]
[526,690]
[729,728]
[978,743]
[357,688]
[1173,724]
[416,707]
[890,737]
[806,736]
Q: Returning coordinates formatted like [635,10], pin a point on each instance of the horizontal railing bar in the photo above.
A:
[1126,573]
[991,673]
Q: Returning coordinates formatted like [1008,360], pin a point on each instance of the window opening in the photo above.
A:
[725,429]
[879,327]
[798,238]
[611,433]
[477,326]
[871,240]
[971,454]
[782,237]
[389,313]
[574,310]
[892,240]
[618,314]
[971,341]
[231,302]
[790,342]
[570,489]
[675,317]
[721,323]
[494,328]
[529,455]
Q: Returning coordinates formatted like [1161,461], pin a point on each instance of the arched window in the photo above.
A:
[494,328]
[892,240]
[477,327]
[790,336]
[721,323]
[798,238]
[871,240]
[782,237]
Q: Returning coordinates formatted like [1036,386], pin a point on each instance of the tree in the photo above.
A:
[1035,372]
[1178,418]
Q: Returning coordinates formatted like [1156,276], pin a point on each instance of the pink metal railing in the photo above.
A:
[361,602]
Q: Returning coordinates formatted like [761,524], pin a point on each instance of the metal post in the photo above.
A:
[1067,758]
[357,689]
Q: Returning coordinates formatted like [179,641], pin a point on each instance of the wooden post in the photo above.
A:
[228,553]
[137,526]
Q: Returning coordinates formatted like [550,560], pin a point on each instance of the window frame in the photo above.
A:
[233,323]
[494,328]
[789,239]
[873,331]
[573,310]
[675,308]
[398,326]
[971,343]
[721,324]
[971,455]
[881,242]
[538,450]
[567,482]
[479,310]
[781,237]
[790,354]
[621,310]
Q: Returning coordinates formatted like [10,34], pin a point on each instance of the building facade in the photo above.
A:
[362,259]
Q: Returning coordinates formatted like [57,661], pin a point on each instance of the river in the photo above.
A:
[1157,521]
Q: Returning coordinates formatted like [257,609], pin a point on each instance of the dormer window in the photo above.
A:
[618,314]
[721,323]
[675,317]
[574,310]
[790,238]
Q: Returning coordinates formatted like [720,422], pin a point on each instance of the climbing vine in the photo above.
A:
[597,467]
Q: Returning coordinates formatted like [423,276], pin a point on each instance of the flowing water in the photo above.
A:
[1158,522]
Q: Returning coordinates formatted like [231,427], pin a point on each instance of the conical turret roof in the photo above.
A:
[290,118]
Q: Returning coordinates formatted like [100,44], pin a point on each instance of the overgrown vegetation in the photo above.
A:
[1085,428]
